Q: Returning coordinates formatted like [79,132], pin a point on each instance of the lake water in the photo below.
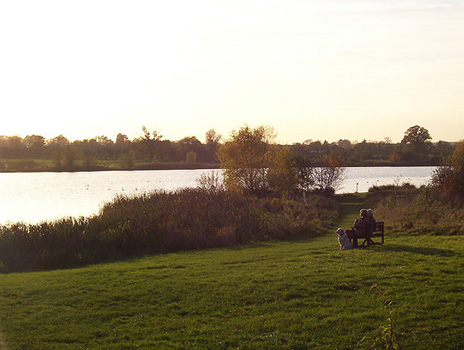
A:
[36,197]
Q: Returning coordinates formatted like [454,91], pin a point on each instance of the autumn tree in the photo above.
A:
[282,171]
[244,158]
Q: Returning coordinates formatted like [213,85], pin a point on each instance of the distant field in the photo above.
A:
[303,294]
[42,165]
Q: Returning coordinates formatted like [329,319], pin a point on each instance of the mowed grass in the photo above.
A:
[304,294]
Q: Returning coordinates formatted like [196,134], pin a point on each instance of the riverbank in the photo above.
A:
[269,295]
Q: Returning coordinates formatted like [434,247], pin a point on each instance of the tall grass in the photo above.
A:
[159,222]
[409,210]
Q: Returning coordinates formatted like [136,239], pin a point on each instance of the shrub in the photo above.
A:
[157,223]
[412,210]
[211,182]
[448,180]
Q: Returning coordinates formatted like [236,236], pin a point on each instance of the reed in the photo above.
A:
[160,222]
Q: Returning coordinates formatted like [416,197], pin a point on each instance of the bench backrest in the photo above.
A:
[379,226]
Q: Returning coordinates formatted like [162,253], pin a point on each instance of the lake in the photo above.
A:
[36,197]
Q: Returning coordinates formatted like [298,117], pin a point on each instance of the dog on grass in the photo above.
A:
[343,239]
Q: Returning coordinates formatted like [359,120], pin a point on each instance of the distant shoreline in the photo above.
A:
[113,167]
[29,166]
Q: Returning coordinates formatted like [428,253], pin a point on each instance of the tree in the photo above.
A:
[34,144]
[122,139]
[417,139]
[212,139]
[148,144]
[329,177]
[188,144]
[57,146]
[282,173]
[58,142]
[304,168]
[244,159]
[14,147]
[457,164]
[211,183]
[104,140]
[345,144]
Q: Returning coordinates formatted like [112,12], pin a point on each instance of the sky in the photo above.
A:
[320,70]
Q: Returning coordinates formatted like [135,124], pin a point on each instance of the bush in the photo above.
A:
[159,222]
[448,180]
[411,210]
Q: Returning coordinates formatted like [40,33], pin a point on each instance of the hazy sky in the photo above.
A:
[328,69]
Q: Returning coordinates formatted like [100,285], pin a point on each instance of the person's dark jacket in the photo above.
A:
[361,226]
[371,221]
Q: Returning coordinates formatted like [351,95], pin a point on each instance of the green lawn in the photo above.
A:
[304,294]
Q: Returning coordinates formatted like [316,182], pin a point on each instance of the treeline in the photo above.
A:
[25,153]
[415,148]
[151,151]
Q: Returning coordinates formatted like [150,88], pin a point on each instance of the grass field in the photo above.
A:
[304,294]
[47,165]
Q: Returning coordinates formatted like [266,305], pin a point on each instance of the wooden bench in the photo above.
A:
[376,231]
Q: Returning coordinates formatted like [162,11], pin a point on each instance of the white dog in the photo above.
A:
[343,239]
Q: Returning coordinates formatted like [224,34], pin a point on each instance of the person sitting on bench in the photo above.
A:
[371,220]
[360,228]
